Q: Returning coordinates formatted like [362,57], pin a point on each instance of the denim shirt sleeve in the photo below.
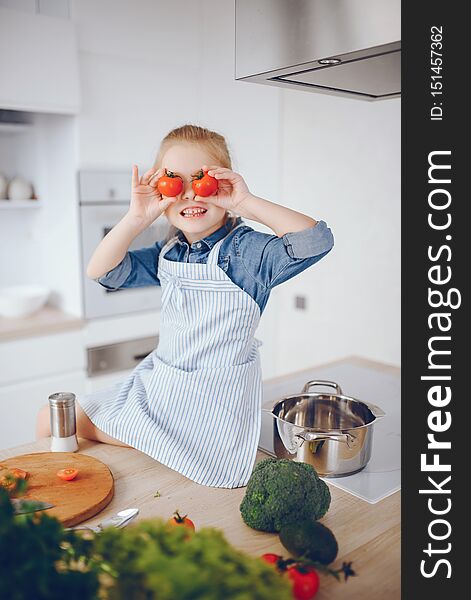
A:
[271,260]
[137,269]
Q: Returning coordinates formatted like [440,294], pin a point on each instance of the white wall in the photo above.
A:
[153,66]
[341,163]
[141,76]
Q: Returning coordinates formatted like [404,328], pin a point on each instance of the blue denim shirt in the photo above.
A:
[253,260]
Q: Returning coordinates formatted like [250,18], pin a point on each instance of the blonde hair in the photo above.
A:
[214,143]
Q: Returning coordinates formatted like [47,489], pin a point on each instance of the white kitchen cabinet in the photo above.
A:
[20,403]
[38,63]
[267,334]
[94,384]
[22,5]
[104,185]
[28,358]
[55,8]
[31,369]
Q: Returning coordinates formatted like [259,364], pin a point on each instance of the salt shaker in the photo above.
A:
[63,424]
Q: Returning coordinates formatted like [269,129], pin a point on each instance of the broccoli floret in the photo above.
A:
[281,491]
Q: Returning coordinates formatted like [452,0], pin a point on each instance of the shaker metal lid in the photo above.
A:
[62,399]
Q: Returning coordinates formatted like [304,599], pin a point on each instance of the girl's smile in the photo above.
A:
[193,212]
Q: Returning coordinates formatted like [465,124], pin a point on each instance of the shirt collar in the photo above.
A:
[210,240]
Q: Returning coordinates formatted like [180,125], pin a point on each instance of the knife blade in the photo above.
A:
[22,506]
[120,519]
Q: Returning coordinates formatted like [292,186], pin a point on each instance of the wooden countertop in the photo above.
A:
[367,534]
[44,321]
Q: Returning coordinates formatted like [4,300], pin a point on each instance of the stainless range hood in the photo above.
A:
[342,47]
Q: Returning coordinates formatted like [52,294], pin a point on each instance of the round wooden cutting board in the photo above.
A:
[74,501]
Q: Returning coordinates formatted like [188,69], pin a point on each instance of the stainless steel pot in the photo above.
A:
[332,432]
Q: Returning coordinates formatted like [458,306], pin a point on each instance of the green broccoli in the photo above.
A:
[281,491]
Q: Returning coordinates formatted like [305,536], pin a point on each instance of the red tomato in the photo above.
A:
[204,185]
[271,559]
[305,582]
[170,185]
[184,521]
[67,474]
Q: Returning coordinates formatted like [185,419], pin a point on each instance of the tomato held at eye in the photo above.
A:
[67,474]
[305,582]
[170,185]
[204,185]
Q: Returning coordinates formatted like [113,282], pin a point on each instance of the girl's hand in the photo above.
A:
[232,190]
[147,203]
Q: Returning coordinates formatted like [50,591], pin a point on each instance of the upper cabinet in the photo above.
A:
[38,63]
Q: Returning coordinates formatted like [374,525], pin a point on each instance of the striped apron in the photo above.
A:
[194,403]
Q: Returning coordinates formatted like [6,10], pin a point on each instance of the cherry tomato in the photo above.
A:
[305,582]
[204,185]
[170,185]
[184,521]
[67,474]
[271,559]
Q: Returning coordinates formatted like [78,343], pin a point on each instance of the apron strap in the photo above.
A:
[214,254]
[168,245]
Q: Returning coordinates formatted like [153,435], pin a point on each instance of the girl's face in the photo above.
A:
[186,160]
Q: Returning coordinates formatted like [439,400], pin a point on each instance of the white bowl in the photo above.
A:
[22,300]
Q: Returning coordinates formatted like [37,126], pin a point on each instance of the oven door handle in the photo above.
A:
[119,356]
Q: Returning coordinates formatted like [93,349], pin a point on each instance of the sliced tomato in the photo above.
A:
[12,472]
[67,474]
[19,473]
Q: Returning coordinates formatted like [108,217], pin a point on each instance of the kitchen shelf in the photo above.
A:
[14,127]
[12,204]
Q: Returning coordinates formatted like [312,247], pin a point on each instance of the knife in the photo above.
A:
[23,506]
[120,519]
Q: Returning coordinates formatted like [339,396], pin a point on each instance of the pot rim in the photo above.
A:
[376,411]
[323,430]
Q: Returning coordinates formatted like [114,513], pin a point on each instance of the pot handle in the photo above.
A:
[310,436]
[314,382]
[376,410]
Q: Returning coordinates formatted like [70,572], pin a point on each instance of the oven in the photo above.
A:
[104,198]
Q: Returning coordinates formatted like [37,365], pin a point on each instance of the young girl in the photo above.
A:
[194,403]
